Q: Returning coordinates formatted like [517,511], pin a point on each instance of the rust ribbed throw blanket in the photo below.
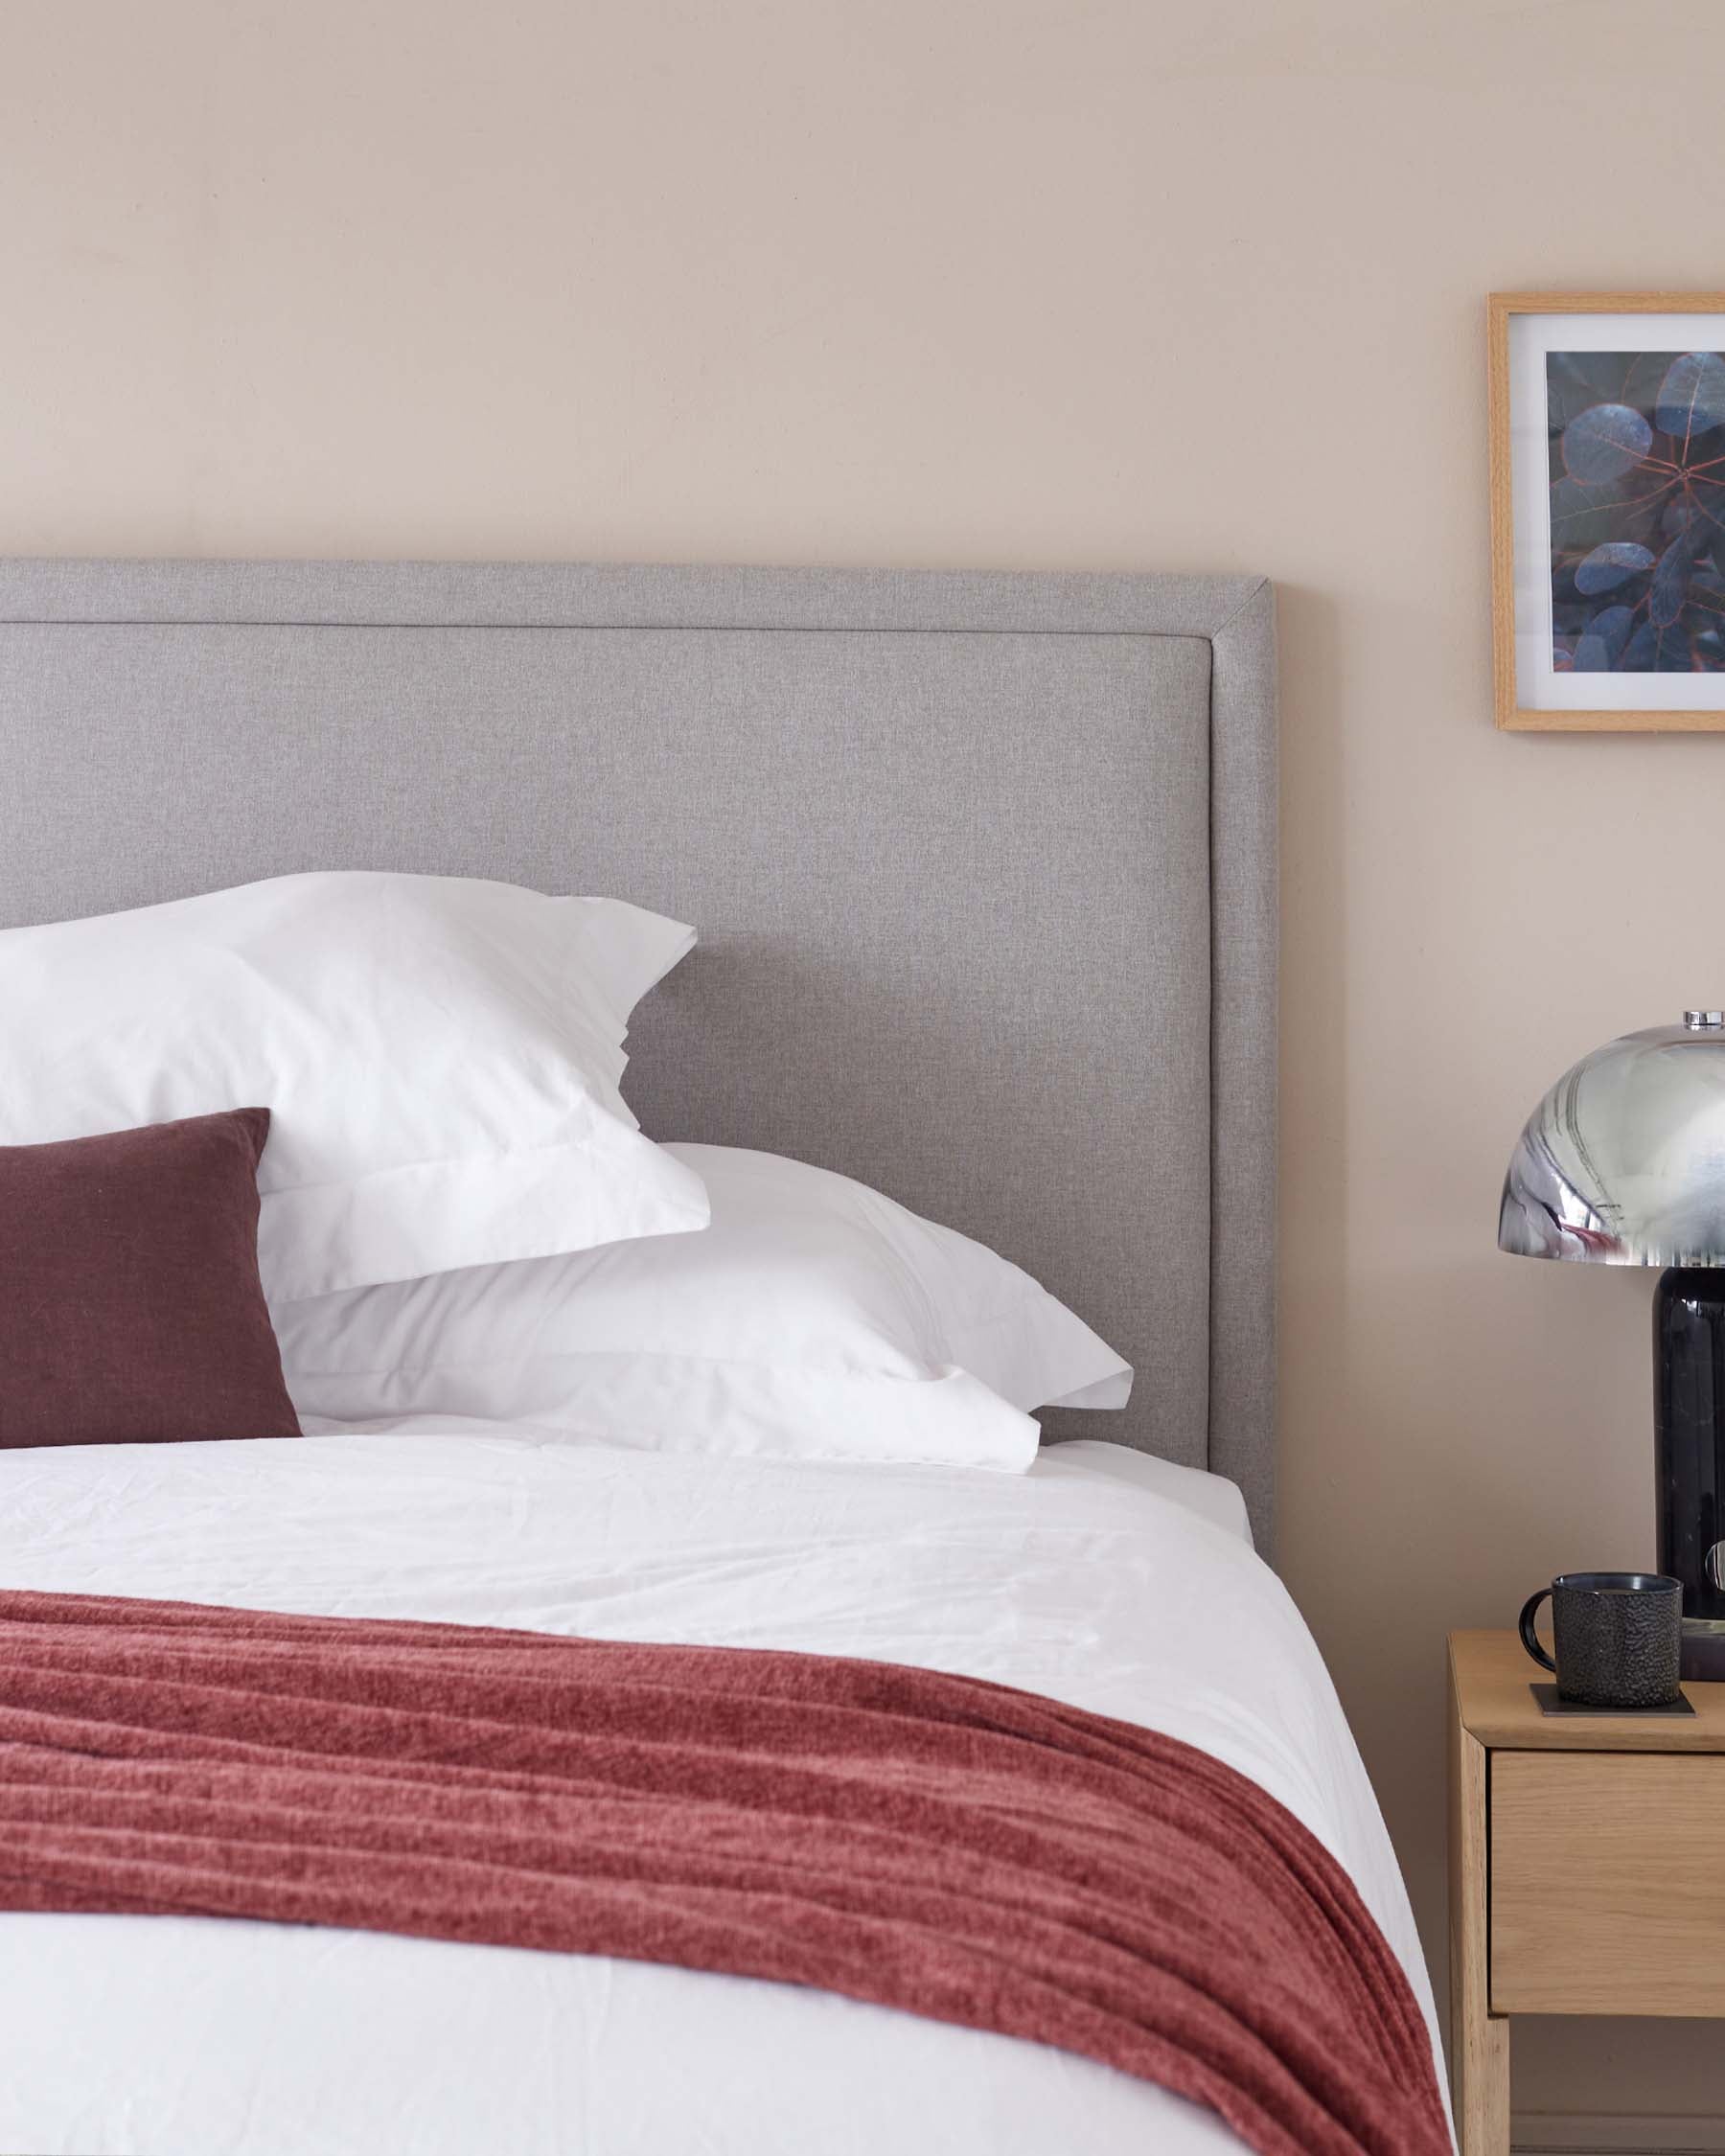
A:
[951,1847]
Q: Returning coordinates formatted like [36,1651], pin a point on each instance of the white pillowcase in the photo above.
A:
[814,1318]
[440,1057]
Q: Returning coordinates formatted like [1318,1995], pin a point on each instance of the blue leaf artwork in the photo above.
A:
[1609,566]
[1605,640]
[1604,442]
[1637,475]
[1692,397]
[1668,591]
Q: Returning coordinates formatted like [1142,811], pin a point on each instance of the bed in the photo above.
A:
[985,872]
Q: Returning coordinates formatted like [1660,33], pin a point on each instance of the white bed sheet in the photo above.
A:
[1100,1577]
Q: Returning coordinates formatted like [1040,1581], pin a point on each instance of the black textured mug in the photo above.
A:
[1619,1638]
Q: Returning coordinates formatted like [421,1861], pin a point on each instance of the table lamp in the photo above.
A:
[1624,1164]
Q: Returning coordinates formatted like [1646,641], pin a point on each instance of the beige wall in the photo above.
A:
[1116,284]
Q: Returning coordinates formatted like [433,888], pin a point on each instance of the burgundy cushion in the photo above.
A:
[130,1307]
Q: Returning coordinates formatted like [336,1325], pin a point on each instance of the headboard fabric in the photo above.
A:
[983,866]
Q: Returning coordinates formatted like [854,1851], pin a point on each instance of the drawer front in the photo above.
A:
[1607,1883]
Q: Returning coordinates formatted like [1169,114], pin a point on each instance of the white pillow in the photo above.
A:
[440,1058]
[813,1319]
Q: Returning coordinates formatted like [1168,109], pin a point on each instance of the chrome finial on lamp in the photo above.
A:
[1624,1164]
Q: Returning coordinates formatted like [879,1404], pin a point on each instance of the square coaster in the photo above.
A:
[1550,1704]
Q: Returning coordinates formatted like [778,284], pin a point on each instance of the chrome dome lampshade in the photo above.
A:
[1623,1162]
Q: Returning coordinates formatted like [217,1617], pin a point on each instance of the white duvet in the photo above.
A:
[1100,1577]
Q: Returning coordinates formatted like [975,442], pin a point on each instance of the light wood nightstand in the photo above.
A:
[1587,1867]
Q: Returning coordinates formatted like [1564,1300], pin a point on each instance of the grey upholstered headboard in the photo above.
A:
[983,866]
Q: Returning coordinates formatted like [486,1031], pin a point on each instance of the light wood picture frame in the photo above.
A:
[1607,511]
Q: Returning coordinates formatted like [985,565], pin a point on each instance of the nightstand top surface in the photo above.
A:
[1492,1675]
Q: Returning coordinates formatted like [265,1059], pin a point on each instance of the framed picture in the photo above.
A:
[1608,510]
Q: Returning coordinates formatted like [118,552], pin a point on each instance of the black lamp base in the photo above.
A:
[1689,1429]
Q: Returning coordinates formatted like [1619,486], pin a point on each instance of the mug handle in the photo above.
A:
[1530,1638]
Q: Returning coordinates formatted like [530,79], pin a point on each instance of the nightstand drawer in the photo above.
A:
[1607,1883]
